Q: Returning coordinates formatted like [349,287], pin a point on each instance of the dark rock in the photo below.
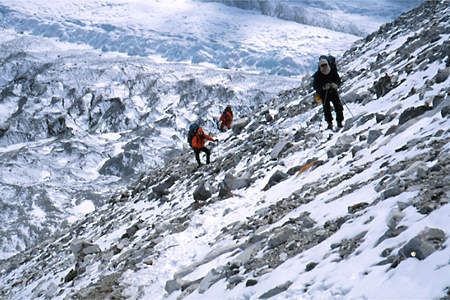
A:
[373,135]
[224,191]
[279,148]
[364,119]
[71,275]
[268,117]
[391,192]
[390,233]
[201,193]
[356,149]
[348,246]
[239,124]
[391,130]
[235,183]
[386,252]
[173,285]
[442,75]
[425,243]
[162,189]
[57,126]
[437,100]
[357,207]
[411,113]
[276,178]
[445,111]
[383,86]
[310,266]
[294,170]
[122,165]
[379,117]
[81,248]
[300,135]
[130,232]
[251,282]
[281,237]
[275,291]
[337,150]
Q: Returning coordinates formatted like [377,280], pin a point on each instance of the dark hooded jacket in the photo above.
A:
[320,80]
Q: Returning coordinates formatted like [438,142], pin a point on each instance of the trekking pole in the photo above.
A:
[323,103]
[347,108]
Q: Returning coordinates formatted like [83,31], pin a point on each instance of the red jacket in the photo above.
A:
[226,119]
[199,139]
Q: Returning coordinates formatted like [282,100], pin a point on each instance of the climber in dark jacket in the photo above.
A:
[326,83]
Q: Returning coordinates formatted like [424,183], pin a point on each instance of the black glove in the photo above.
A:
[327,86]
[216,141]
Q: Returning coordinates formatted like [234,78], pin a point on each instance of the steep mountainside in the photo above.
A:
[286,209]
[93,121]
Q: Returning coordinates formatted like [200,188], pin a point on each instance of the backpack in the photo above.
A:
[192,132]
[332,62]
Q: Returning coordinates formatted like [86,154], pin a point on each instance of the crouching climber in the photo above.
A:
[196,139]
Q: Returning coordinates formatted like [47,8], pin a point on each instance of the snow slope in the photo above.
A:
[357,214]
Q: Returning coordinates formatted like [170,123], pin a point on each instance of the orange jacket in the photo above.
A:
[199,139]
[226,119]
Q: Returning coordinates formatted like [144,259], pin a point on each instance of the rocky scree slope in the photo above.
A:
[94,121]
[373,196]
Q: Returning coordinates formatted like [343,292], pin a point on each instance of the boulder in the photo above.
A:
[201,193]
[81,248]
[411,113]
[235,183]
[276,178]
[162,189]
[424,244]
[279,148]
[442,75]
[239,124]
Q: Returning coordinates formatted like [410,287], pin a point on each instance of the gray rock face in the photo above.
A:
[279,148]
[442,75]
[201,193]
[411,113]
[445,111]
[383,86]
[122,165]
[236,183]
[281,237]
[391,192]
[276,290]
[212,277]
[162,189]
[276,178]
[373,135]
[57,126]
[81,248]
[239,124]
[424,244]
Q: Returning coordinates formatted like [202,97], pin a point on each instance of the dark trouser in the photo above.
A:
[197,154]
[333,97]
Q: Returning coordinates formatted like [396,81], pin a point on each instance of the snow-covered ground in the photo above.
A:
[174,243]
[183,44]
